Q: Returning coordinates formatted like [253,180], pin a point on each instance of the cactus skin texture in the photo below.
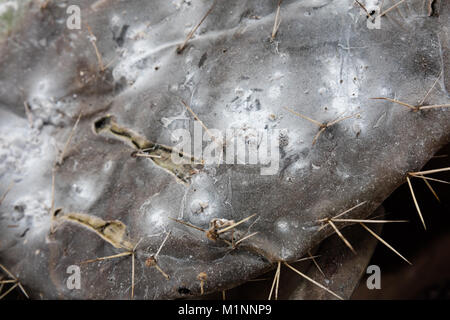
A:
[323,63]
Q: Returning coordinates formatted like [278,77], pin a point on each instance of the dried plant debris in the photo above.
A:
[114,232]
[160,154]
[114,95]
[181,47]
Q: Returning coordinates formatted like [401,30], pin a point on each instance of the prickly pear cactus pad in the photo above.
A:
[94,96]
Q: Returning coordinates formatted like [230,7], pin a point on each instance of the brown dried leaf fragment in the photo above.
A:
[113,231]
[159,154]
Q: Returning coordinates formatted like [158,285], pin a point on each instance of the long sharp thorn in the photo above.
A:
[384,242]
[306,258]
[69,139]
[7,281]
[391,8]
[304,117]
[230,243]
[431,89]
[313,281]
[162,244]
[428,178]
[277,22]
[137,244]
[415,202]
[9,273]
[162,272]
[396,101]
[316,264]
[245,238]
[316,137]
[188,224]
[235,224]
[132,276]
[198,119]
[274,280]
[23,290]
[368,221]
[431,189]
[440,156]
[430,171]
[344,212]
[351,209]
[97,52]
[278,280]
[434,106]
[191,33]
[110,62]
[341,119]
[123,254]
[341,236]
[365,10]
